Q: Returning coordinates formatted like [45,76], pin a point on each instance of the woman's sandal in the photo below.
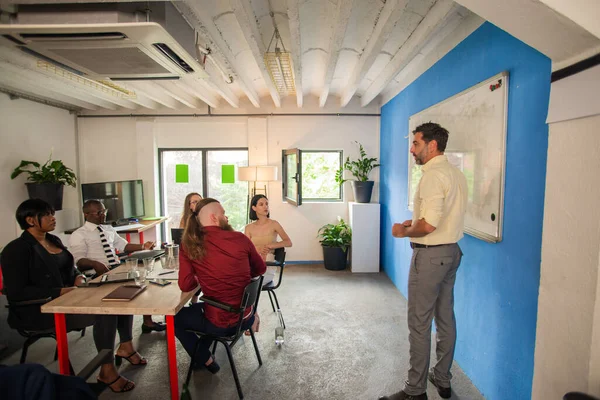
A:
[257,322]
[119,359]
[128,386]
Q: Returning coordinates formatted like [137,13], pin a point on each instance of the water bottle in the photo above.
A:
[279,335]
[279,338]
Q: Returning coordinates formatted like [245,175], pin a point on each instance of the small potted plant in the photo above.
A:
[46,181]
[362,187]
[335,240]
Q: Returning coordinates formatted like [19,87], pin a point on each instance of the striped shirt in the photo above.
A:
[85,243]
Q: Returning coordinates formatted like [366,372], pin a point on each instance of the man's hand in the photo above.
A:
[79,280]
[264,250]
[407,223]
[148,245]
[99,267]
[399,230]
[66,290]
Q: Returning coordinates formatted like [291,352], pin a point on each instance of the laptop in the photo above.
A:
[176,235]
[140,255]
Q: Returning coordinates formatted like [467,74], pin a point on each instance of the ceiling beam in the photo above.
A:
[425,59]
[28,76]
[242,9]
[219,48]
[18,84]
[176,92]
[293,12]
[340,23]
[391,12]
[155,93]
[436,18]
[218,84]
[193,87]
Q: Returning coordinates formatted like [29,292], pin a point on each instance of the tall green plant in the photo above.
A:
[360,168]
[50,172]
[335,235]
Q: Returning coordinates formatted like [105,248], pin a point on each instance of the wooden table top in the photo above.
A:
[151,222]
[155,300]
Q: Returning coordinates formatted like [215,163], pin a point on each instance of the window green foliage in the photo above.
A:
[318,175]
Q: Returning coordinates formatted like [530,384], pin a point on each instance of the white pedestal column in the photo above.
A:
[364,221]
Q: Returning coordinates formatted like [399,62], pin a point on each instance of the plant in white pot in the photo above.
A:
[362,187]
[46,181]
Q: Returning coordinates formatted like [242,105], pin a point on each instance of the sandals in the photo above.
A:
[254,328]
[119,359]
[128,386]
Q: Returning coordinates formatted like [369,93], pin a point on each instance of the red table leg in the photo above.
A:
[128,237]
[172,349]
[62,344]
[141,237]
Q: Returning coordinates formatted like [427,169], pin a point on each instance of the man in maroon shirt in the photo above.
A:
[222,262]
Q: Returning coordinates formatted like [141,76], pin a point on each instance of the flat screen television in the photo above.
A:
[123,199]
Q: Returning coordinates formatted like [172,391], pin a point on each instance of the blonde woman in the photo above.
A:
[189,205]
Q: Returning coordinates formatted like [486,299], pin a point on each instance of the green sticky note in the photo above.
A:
[182,173]
[227,174]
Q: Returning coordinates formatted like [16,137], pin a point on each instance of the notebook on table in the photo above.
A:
[124,293]
[140,255]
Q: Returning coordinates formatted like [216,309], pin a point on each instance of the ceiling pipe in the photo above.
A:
[207,54]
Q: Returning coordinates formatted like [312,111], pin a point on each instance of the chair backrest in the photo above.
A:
[280,256]
[176,235]
[250,298]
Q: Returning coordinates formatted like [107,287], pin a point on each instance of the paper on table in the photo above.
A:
[170,274]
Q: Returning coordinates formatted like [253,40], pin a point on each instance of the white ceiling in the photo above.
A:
[359,51]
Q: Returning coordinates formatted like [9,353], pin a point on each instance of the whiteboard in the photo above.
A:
[476,122]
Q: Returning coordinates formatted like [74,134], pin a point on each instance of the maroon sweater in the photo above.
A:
[230,263]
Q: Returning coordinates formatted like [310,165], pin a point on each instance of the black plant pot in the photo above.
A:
[362,191]
[49,192]
[334,258]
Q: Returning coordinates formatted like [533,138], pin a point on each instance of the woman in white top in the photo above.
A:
[263,233]
[189,205]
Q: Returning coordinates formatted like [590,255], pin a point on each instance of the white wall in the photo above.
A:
[567,354]
[136,140]
[30,131]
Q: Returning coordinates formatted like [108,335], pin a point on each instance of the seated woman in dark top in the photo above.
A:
[38,266]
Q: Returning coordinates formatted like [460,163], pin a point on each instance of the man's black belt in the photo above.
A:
[414,245]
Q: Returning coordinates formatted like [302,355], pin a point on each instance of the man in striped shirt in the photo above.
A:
[93,247]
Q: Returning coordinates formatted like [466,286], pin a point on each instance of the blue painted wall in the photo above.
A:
[497,285]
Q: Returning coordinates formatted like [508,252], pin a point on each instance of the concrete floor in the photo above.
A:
[346,338]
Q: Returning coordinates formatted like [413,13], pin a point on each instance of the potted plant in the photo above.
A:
[362,187]
[335,239]
[46,181]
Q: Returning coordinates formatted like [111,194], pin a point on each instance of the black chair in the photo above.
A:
[271,286]
[578,396]
[250,297]
[176,235]
[32,336]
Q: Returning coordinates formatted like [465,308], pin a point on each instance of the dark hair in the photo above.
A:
[193,235]
[254,202]
[89,203]
[36,208]
[432,131]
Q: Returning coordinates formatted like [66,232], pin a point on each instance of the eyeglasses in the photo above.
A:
[99,213]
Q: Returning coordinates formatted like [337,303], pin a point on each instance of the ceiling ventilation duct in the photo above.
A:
[120,41]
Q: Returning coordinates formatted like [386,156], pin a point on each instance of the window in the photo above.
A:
[309,175]
[202,174]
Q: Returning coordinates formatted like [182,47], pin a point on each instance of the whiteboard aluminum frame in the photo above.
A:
[477,234]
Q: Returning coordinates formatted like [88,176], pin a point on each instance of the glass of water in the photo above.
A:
[131,263]
[139,275]
[149,264]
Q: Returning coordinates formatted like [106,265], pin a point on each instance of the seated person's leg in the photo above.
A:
[149,325]
[26,381]
[105,331]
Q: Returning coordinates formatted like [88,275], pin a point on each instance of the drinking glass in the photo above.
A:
[131,263]
[149,264]
[139,275]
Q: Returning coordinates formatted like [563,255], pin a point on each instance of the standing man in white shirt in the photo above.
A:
[93,247]
[440,205]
